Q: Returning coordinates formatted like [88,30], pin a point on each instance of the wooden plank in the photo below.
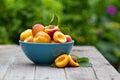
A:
[49,73]
[10,51]
[80,73]
[95,57]
[5,62]
[7,46]
[14,65]
[101,67]
[112,72]
[21,69]
[116,78]
[106,72]
[101,73]
[6,58]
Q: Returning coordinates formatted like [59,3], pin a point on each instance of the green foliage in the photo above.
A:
[87,21]
[18,15]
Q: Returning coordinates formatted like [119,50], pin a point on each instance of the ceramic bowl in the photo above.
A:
[45,53]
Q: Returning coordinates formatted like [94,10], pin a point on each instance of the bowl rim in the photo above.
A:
[45,43]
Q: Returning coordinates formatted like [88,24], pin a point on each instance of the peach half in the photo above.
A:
[42,37]
[25,34]
[59,37]
[51,29]
[62,61]
[72,62]
[36,28]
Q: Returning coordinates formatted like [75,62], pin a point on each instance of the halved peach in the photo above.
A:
[62,61]
[72,61]
[51,29]
[59,37]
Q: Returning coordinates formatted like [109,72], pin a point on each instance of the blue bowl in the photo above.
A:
[45,53]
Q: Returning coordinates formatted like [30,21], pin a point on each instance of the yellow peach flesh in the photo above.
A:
[59,37]
[72,62]
[62,61]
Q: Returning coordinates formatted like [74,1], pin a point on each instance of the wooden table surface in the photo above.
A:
[14,65]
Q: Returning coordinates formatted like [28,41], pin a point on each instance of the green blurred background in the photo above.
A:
[89,22]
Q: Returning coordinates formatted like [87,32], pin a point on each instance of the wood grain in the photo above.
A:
[5,62]
[20,69]
[14,65]
[80,73]
[103,70]
[49,73]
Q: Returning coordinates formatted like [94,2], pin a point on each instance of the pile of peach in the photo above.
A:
[44,34]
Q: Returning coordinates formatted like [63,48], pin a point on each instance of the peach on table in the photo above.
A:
[65,60]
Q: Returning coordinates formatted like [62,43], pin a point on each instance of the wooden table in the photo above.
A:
[14,65]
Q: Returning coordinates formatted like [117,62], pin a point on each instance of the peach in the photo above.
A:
[29,39]
[25,34]
[62,61]
[68,38]
[36,28]
[42,37]
[59,37]
[72,61]
[51,29]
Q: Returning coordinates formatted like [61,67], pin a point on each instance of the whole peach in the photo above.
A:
[25,34]
[29,39]
[36,28]
[42,37]
[68,38]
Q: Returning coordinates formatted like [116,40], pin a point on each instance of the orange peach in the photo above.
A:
[51,29]
[59,37]
[25,34]
[72,62]
[68,38]
[42,37]
[62,60]
[36,28]
[29,39]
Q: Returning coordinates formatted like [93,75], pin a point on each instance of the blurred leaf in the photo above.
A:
[85,64]
[53,65]
[83,59]
[54,20]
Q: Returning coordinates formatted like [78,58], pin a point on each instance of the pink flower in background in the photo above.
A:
[111,10]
